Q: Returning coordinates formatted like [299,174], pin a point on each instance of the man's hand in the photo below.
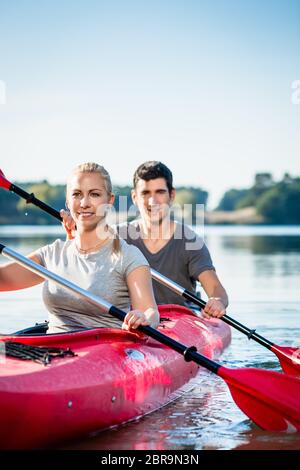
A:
[214,308]
[68,223]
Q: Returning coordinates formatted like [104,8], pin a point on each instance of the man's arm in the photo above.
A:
[217,296]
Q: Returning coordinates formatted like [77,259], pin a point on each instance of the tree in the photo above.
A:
[281,204]
[231,198]
[190,195]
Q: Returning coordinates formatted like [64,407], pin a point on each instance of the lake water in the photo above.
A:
[260,268]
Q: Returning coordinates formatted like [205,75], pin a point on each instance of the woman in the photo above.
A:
[96,259]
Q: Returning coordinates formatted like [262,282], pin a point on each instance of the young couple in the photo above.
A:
[99,260]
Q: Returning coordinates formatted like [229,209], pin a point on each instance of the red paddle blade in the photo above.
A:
[4,183]
[289,358]
[270,399]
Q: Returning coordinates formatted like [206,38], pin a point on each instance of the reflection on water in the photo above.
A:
[29,244]
[258,244]
[193,422]
[260,440]
[260,268]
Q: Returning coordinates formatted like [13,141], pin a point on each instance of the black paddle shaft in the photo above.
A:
[189,353]
[231,321]
[31,199]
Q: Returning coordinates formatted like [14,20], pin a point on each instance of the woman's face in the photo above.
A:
[88,199]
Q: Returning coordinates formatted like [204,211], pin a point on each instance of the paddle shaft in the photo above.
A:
[195,300]
[189,353]
[31,199]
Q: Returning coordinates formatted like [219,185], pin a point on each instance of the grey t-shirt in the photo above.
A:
[101,273]
[182,259]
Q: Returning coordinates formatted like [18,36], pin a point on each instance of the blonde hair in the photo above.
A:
[91,167]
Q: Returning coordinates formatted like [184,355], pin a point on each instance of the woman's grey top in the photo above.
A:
[101,273]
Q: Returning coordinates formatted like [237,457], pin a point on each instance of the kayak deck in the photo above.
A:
[114,376]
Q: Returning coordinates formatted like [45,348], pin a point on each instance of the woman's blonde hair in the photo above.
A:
[91,167]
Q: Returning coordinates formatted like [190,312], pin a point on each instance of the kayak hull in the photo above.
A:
[115,376]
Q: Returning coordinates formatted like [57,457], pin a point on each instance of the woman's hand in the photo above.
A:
[68,223]
[142,299]
[135,318]
[214,308]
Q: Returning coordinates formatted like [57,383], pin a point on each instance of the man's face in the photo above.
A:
[153,199]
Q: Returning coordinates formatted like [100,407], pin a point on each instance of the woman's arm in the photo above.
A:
[145,310]
[13,276]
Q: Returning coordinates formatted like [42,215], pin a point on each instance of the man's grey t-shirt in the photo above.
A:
[100,273]
[184,257]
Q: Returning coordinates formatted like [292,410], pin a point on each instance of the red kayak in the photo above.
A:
[96,379]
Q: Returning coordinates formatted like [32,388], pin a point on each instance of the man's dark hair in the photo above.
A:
[152,170]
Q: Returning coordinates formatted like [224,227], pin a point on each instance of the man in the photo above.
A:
[171,248]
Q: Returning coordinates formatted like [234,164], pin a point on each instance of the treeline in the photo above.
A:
[277,202]
[15,211]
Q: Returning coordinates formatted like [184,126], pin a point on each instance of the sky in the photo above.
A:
[211,88]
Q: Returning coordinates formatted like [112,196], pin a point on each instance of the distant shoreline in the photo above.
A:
[246,216]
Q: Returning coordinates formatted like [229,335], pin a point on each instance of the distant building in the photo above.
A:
[264,180]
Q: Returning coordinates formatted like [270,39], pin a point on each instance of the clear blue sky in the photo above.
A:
[204,86]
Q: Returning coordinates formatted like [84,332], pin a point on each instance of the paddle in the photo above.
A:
[289,357]
[30,198]
[270,399]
